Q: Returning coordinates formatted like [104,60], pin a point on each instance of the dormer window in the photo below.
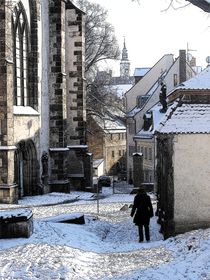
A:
[141,100]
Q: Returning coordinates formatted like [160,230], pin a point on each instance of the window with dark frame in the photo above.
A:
[150,153]
[175,80]
[145,153]
[20,54]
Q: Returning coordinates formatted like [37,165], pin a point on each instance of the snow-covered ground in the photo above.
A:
[105,247]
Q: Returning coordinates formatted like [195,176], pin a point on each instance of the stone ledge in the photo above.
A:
[8,148]
[16,223]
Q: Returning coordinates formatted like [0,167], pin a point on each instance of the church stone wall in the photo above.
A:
[76,108]
[51,121]
[8,190]
[57,96]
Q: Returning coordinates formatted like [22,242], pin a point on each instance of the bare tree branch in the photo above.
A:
[202,4]
[171,5]
[101,43]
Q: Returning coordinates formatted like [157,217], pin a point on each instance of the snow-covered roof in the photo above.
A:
[200,81]
[140,72]
[121,89]
[97,162]
[157,117]
[134,111]
[188,118]
[110,125]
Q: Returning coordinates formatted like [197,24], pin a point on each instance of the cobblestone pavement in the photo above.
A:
[37,259]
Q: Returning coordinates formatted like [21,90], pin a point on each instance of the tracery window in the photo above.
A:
[20,53]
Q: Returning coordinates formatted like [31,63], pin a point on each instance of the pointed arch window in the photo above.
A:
[20,53]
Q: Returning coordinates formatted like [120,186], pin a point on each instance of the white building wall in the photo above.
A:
[143,86]
[100,169]
[191,178]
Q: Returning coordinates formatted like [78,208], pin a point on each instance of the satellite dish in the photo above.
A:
[208,60]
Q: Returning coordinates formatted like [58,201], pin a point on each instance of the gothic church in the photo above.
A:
[42,99]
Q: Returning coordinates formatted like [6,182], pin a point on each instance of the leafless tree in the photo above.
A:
[202,4]
[100,45]
[100,41]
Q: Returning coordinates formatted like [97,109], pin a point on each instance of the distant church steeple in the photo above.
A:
[124,64]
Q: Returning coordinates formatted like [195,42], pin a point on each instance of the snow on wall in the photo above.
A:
[191,178]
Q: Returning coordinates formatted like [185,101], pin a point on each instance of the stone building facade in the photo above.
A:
[42,98]
[107,141]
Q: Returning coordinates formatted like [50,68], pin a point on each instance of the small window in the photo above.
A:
[146,176]
[120,153]
[112,153]
[175,80]
[131,128]
[141,100]
[145,153]
[150,153]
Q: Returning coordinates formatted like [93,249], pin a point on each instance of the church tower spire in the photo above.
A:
[124,64]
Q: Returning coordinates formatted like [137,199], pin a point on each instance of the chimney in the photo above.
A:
[182,66]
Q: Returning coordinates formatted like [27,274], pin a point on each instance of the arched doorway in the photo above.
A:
[26,168]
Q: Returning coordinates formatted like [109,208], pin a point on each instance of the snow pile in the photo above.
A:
[105,247]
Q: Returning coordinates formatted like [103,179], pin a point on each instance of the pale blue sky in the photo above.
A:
[150,32]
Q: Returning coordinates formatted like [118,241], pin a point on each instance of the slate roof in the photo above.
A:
[188,118]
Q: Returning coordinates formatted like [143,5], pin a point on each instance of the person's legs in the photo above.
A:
[147,235]
[141,236]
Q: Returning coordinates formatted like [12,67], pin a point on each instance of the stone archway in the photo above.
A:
[26,168]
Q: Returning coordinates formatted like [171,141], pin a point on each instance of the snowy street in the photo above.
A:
[105,247]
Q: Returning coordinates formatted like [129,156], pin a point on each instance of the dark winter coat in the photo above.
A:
[142,208]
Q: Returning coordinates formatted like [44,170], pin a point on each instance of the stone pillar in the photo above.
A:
[138,175]
[8,188]
[57,96]
[75,65]
[59,178]
[45,173]
[80,170]
[88,170]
